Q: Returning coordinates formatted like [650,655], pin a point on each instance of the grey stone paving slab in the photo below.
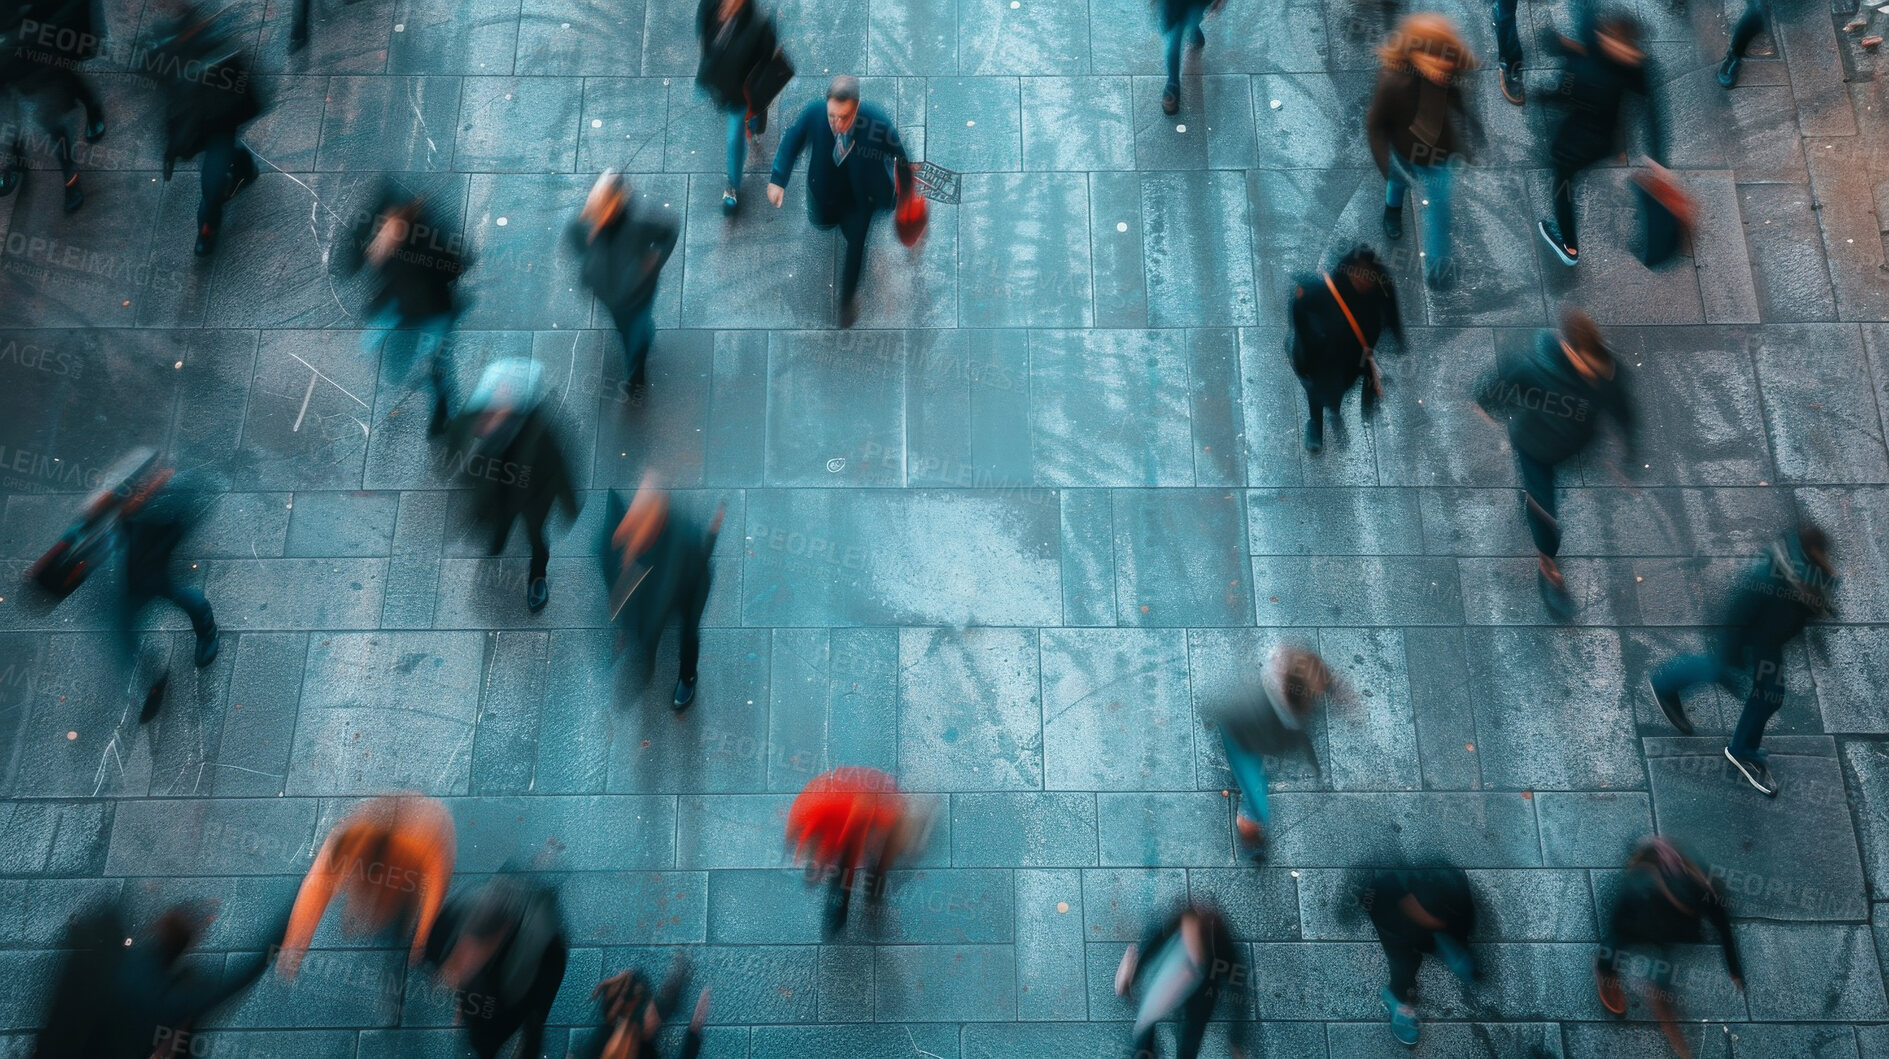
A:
[1562,738]
[1197,249]
[1847,443]
[1031,274]
[1077,123]
[1469,830]
[1180,558]
[370,701]
[1024,830]
[1132,381]
[989,738]
[1115,710]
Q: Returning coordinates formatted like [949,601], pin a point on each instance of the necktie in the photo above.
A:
[842,146]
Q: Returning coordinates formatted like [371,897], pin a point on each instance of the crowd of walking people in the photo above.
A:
[391,861]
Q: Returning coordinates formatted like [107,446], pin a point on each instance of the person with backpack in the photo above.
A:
[1784,591]
[501,952]
[623,251]
[1552,399]
[1662,900]
[1419,911]
[738,44]
[1185,963]
[1337,319]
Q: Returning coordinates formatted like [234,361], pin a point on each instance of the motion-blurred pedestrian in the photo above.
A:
[504,443]
[1605,66]
[1271,720]
[853,821]
[1552,398]
[1180,25]
[1418,126]
[1418,911]
[738,43]
[1337,319]
[856,169]
[1508,44]
[623,250]
[1784,591]
[1185,963]
[657,566]
[633,1013]
[1662,900]
[392,859]
[501,952]
[417,262]
[152,522]
[1750,24]
[209,96]
[42,44]
[298,24]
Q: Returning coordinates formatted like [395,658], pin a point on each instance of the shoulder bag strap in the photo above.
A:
[1370,357]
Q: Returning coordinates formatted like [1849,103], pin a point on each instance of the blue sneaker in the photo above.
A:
[1404,1024]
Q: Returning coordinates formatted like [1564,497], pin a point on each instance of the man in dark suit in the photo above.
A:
[850,175]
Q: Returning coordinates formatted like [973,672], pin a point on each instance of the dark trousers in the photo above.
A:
[1767,696]
[1195,1011]
[225,162]
[637,326]
[1177,36]
[1320,397]
[534,535]
[526,1019]
[1564,202]
[1403,951]
[142,592]
[53,95]
[1539,502]
[854,222]
[1750,24]
[692,607]
[1508,40]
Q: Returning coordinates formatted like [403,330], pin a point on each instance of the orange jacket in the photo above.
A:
[840,813]
[403,842]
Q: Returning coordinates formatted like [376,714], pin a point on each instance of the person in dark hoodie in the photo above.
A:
[209,97]
[656,566]
[152,523]
[1185,963]
[42,43]
[1418,911]
[1552,398]
[1419,125]
[1337,319]
[623,254]
[417,263]
[737,38]
[1785,590]
[501,952]
[1663,899]
[503,442]
[1605,67]
[856,169]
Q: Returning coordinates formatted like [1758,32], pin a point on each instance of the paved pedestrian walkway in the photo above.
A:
[1004,538]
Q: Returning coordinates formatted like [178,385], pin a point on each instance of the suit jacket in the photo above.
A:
[863,181]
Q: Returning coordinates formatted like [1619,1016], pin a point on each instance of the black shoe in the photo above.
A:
[1171,100]
[95,130]
[153,699]
[1394,222]
[685,694]
[1550,233]
[537,594]
[1198,40]
[1755,773]
[849,312]
[74,197]
[1314,438]
[1728,71]
[207,647]
[10,182]
[1512,89]
[1670,705]
[206,240]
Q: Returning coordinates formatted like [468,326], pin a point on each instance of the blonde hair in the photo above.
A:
[1431,34]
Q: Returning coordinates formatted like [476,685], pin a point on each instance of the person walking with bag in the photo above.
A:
[657,565]
[1605,67]
[740,70]
[1337,319]
[1417,126]
[623,254]
[1788,587]
[1552,399]
[857,168]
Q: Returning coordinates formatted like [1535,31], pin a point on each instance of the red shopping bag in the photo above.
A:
[912,213]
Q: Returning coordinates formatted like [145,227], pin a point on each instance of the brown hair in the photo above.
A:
[1584,335]
[1430,33]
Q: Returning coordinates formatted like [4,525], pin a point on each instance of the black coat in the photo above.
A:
[517,984]
[420,279]
[1443,893]
[1325,352]
[1643,913]
[1783,592]
[623,260]
[732,50]
[1594,95]
[1551,410]
[678,578]
[864,180]
[519,470]
[208,91]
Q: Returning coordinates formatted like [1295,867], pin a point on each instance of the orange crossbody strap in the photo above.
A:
[1346,309]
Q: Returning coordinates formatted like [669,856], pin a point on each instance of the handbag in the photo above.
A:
[1376,381]
[912,214]
[764,83]
[1666,214]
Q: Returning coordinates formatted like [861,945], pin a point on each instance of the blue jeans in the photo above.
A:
[638,329]
[1767,692]
[1177,39]
[1439,181]
[737,144]
[429,345]
[1249,775]
[1508,39]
